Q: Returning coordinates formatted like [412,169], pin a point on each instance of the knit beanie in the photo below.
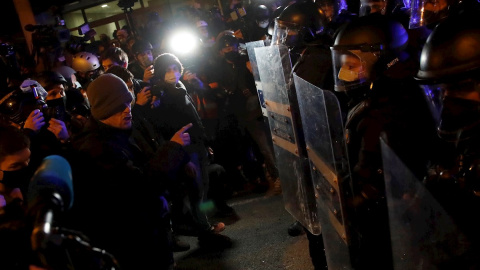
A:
[107,95]
[162,62]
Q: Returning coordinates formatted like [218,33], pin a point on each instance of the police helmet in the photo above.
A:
[364,47]
[227,40]
[261,13]
[299,22]
[450,76]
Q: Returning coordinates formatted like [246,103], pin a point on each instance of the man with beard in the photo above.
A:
[119,187]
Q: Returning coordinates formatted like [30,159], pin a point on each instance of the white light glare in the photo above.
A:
[183,42]
[103,6]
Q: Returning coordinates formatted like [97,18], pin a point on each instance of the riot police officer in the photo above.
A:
[373,69]
[301,27]
[449,72]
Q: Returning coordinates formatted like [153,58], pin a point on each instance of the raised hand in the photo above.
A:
[181,137]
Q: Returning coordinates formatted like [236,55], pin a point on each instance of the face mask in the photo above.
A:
[291,40]
[172,77]
[348,75]
[263,24]
[231,56]
[459,115]
[16,179]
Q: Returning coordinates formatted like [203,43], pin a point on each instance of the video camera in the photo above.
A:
[79,44]
[48,112]
[49,35]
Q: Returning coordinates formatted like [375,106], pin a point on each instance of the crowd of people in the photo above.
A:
[157,139]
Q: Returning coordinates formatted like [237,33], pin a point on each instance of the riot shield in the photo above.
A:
[274,68]
[253,62]
[327,153]
[423,235]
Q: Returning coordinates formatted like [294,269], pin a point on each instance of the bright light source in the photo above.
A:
[104,6]
[183,42]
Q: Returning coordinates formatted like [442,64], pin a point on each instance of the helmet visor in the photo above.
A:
[285,33]
[427,12]
[434,95]
[351,68]
[372,6]
[455,107]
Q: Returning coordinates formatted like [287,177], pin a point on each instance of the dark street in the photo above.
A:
[260,240]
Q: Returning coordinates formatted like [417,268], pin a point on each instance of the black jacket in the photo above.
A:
[117,187]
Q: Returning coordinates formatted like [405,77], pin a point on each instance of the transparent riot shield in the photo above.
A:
[423,235]
[274,67]
[327,153]
[253,62]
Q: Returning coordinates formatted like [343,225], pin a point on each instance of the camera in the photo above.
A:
[57,112]
[158,90]
[49,35]
[39,100]
[77,44]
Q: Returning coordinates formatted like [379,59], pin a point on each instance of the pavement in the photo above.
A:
[260,240]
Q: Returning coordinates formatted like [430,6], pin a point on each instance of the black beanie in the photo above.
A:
[107,95]
[162,62]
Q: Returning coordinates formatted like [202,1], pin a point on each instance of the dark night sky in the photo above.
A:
[9,22]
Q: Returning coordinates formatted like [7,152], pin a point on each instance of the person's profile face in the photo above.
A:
[228,49]
[351,68]
[108,63]
[352,63]
[121,120]
[145,58]
[376,6]
[122,36]
[16,161]
[57,91]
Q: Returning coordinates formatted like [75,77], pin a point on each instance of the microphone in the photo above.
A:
[50,192]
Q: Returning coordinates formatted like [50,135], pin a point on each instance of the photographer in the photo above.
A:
[142,65]
[48,117]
